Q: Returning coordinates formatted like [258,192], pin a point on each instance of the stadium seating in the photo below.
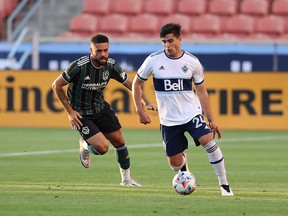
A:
[192,7]
[97,7]
[128,7]
[159,7]
[7,6]
[143,25]
[255,8]
[184,20]
[198,18]
[207,25]
[240,26]
[271,26]
[280,7]
[114,25]
[84,25]
[223,7]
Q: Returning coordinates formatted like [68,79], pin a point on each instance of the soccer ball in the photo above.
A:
[184,183]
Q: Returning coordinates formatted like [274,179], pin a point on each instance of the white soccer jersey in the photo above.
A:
[172,78]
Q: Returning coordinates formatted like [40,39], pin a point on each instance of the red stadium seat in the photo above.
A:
[69,35]
[254,7]
[240,26]
[7,6]
[159,7]
[144,25]
[128,7]
[207,24]
[280,7]
[97,7]
[273,26]
[84,24]
[114,24]
[192,7]
[223,7]
[184,20]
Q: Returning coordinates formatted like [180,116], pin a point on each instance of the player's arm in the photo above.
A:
[205,103]
[58,89]
[144,99]
[137,98]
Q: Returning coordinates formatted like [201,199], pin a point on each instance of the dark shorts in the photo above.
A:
[174,139]
[106,122]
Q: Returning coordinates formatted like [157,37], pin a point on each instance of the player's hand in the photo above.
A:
[74,118]
[152,107]
[144,117]
[215,129]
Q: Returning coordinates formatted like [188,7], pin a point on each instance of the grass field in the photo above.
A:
[41,175]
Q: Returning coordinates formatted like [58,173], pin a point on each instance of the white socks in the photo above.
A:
[125,174]
[217,161]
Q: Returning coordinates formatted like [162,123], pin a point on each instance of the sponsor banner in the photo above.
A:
[255,101]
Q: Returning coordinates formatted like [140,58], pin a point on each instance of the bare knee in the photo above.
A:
[102,148]
[177,161]
[99,143]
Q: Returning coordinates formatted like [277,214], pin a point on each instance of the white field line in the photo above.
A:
[148,145]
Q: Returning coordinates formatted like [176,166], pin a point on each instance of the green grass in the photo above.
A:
[52,182]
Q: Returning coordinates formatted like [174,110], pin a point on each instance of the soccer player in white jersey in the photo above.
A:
[180,110]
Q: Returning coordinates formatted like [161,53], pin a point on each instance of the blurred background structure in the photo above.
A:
[228,35]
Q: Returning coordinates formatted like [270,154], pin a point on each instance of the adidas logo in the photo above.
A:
[87,78]
[162,68]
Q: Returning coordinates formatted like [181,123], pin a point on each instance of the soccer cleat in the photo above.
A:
[130,182]
[84,153]
[226,190]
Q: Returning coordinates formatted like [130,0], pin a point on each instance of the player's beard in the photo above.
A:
[99,62]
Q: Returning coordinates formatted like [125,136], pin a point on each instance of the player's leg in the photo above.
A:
[175,143]
[92,141]
[201,134]
[109,124]
[122,156]
[217,161]
[178,162]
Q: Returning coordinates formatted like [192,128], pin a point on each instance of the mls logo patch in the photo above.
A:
[85,130]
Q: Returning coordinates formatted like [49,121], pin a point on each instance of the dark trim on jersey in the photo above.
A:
[156,53]
[183,52]
[168,85]
[190,55]
[141,78]
[199,83]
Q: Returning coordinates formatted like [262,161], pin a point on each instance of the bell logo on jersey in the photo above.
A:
[173,86]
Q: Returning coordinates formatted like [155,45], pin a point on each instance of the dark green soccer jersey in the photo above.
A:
[87,83]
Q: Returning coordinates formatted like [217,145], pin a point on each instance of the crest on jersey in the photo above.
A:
[184,69]
[105,75]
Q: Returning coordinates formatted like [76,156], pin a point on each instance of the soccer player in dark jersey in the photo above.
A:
[87,110]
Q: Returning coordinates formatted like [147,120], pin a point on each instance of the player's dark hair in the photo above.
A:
[99,39]
[169,28]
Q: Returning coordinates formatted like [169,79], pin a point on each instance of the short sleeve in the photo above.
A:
[145,70]
[198,74]
[70,72]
